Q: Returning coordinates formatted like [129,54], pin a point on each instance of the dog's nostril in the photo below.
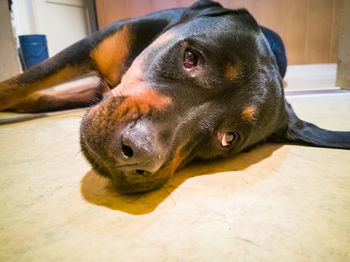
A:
[137,151]
[127,151]
[140,172]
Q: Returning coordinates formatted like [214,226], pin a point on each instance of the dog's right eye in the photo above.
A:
[190,59]
[228,138]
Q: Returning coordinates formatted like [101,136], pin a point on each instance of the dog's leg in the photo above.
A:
[67,65]
[80,96]
[108,52]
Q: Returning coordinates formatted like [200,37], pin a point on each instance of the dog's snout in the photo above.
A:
[140,151]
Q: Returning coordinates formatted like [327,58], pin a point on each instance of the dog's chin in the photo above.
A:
[124,185]
[131,183]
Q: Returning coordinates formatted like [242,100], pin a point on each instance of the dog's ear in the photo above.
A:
[203,8]
[301,132]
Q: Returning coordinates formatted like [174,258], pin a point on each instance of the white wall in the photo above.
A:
[9,63]
[62,21]
[23,17]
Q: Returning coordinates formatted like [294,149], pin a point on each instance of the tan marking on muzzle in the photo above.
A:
[140,97]
[162,39]
[111,54]
[174,165]
[248,113]
[139,101]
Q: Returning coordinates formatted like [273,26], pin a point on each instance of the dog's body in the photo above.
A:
[202,82]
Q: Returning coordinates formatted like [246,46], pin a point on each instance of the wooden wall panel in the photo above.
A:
[319,23]
[293,30]
[164,4]
[343,63]
[309,28]
[335,30]
[262,13]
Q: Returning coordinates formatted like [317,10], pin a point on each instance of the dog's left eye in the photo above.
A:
[190,59]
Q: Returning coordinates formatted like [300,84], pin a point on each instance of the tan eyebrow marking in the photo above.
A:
[231,71]
[162,39]
[248,113]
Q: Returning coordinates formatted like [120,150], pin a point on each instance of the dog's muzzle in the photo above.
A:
[129,144]
[138,149]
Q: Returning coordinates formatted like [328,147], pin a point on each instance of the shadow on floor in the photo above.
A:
[99,191]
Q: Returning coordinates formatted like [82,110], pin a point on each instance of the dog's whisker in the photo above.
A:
[166,190]
[138,196]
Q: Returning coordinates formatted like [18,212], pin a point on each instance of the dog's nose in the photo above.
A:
[141,152]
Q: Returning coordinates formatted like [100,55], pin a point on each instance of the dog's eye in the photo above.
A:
[228,138]
[190,59]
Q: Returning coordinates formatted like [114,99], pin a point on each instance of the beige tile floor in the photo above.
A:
[275,203]
[311,77]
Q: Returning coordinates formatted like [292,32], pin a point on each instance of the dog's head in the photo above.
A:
[207,87]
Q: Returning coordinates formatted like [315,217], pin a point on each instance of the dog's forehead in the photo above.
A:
[223,33]
[203,27]
[207,24]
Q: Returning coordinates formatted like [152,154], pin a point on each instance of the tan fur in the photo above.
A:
[163,39]
[231,72]
[140,102]
[138,92]
[111,54]
[248,113]
[11,93]
[174,165]
[65,99]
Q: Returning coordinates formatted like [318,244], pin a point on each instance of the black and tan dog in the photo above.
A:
[202,82]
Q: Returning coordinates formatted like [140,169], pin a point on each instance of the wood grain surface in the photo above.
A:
[309,28]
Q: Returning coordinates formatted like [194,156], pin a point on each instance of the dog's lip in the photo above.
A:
[134,172]
[134,175]
[129,182]
[136,183]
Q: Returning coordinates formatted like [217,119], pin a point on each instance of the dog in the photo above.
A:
[202,82]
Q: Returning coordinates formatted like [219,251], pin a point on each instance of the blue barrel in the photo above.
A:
[34,49]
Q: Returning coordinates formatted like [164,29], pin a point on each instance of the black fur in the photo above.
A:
[235,89]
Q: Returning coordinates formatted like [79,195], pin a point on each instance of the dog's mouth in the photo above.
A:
[126,140]
[135,177]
